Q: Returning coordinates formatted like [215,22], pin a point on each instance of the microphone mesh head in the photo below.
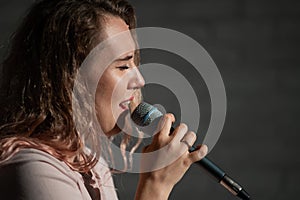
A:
[144,114]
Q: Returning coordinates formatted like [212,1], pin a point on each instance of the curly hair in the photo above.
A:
[38,76]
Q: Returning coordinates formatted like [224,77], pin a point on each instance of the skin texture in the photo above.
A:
[119,82]
[159,183]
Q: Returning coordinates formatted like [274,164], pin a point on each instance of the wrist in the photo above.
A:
[152,188]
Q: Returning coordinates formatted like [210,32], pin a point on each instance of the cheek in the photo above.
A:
[120,94]
[103,107]
[118,91]
[102,95]
[111,91]
[105,88]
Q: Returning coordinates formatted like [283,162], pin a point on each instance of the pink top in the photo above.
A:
[34,175]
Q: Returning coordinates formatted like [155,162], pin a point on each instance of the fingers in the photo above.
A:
[165,125]
[179,133]
[188,139]
[180,136]
[198,154]
[168,119]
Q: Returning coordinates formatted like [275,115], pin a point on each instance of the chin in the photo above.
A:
[114,131]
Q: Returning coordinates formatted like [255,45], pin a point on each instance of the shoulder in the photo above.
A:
[35,162]
[29,155]
[34,174]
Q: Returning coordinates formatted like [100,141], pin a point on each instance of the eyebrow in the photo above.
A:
[124,59]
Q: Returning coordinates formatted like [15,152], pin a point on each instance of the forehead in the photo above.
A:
[114,25]
[117,41]
[118,37]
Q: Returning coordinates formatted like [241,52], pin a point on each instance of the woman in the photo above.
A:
[43,153]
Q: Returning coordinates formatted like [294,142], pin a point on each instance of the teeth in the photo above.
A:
[126,104]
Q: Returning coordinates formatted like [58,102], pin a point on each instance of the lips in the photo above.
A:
[125,104]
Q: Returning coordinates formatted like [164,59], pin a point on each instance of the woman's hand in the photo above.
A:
[172,160]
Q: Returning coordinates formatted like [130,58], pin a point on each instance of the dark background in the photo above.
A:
[255,44]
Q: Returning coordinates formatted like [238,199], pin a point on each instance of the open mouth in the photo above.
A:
[125,104]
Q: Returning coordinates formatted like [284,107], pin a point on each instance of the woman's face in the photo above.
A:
[119,83]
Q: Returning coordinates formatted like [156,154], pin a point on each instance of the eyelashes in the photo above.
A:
[122,68]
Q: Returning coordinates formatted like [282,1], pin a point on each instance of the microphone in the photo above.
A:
[144,114]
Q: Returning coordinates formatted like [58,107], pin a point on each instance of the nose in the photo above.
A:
[137,81]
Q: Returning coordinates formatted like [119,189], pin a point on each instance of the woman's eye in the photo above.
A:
[123,67]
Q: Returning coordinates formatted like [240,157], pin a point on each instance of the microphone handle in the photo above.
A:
[221,177]
[216,172]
